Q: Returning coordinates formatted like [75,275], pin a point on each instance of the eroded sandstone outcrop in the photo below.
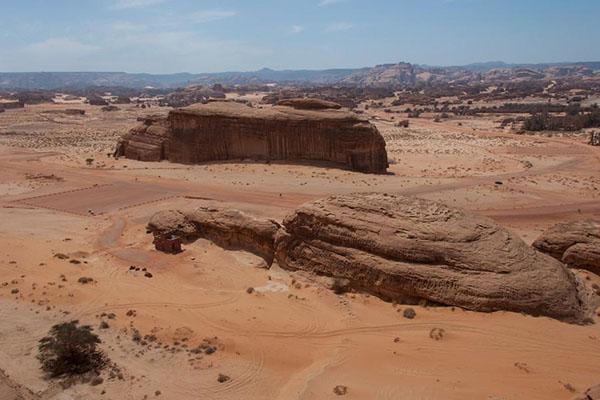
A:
[309,104]
[230,229]
[399,248]
[229,130]
[576,243]
[149,141]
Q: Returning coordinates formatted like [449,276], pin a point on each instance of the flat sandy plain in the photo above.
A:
[292,338]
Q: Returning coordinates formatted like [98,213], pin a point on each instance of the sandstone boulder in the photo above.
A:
[309,104]
[404,248]
[229,131]
[96,100]
[398,248]
[577,244]
[230,229]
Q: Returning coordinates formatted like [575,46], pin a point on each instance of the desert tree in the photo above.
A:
[70,349]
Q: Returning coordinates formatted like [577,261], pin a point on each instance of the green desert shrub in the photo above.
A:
[70,349]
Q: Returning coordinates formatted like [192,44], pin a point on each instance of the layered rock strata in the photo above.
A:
[228,131]
[576,243]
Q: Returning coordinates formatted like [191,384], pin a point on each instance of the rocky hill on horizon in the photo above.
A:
[385,75]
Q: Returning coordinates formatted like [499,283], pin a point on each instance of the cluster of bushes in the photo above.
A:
[569,122]
[70,349]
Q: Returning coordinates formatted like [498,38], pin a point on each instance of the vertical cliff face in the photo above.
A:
[149,141]
[229,131]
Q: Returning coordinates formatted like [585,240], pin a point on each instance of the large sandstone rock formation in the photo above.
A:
[229,130]
[400,249]
[410,248]
[309,104]
[577,244]
[230,229]
[146,142]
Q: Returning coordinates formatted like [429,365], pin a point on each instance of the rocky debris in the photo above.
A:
[74,111]
[233,131]
[576,243]
[222,378]
[340,390]
[230,229]
[192,95]
[309,104]
[410,249]
[97,101]
[592,393]
[122,100]
[68,111]
[398,248]
[595,138]
[11,104]
[403,124]
[110,108]
[409,313]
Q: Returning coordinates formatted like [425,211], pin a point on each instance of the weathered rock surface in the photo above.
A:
[146,142]
[398,248]
[230,229]
[309,104]
[577,244]
[592,393]
[193,94]
[229,130]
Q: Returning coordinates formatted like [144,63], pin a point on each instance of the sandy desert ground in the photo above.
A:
[69,210]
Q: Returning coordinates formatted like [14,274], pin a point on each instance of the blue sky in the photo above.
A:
[166,36]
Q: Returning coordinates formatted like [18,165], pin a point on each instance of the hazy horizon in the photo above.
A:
[299,69]
[175,36]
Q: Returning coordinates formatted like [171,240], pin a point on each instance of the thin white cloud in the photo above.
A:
[324,3]
[211,15]
[127,26]
[59,46]
[125,4]
[296,29]
[339,27]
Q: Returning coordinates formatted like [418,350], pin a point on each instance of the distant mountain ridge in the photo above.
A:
[399,74]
